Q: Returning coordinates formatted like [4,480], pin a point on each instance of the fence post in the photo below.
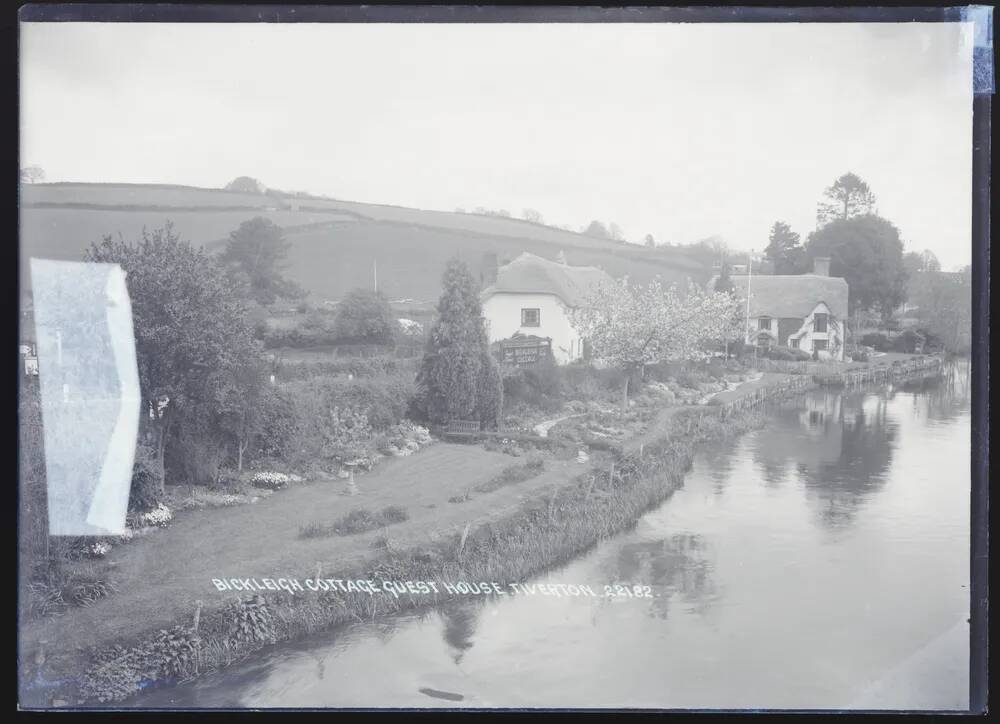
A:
[461,543]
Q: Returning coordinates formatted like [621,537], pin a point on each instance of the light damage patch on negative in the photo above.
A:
[89,385]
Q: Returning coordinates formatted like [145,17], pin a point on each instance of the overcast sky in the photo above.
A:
[683,131]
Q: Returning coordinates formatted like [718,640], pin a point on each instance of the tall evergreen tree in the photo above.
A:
[455,377]
[784,249]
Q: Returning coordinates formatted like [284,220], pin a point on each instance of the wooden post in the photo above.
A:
[552,503]
[465,534]
[197,616]
[593,479]
[611,474]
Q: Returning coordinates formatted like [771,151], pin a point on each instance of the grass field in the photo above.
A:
[335,244]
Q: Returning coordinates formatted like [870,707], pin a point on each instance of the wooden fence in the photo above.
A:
[762,395]
[886,373]
[791,367]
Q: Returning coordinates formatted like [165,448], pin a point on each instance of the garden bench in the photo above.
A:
[463,428]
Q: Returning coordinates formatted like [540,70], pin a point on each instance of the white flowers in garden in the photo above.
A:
[631,325]
[158,516]
[269,480]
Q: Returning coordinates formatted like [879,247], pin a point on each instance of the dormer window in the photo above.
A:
[819,322]
[764,323]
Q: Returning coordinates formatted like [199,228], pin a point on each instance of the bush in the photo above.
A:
[144,493]
[365,316]
[859,356]
[787,354]
[878,342]
[907,342]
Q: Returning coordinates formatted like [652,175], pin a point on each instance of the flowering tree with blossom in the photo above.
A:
[632,325]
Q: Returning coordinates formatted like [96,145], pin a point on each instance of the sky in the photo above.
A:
[682,131]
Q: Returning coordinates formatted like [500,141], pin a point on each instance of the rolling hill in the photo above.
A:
[335,244]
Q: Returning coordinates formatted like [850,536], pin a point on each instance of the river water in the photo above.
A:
[819,562]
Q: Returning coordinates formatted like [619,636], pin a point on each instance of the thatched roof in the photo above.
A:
[791,295]
[531,274]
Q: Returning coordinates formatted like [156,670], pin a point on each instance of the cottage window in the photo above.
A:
[793,342]
[530,317]
[764,323]
[819,322]
[819,345]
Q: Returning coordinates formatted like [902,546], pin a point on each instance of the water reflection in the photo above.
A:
[460,627]
[756,603]
[678,568]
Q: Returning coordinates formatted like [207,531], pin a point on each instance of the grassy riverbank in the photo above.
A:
[546,530]
[502,534]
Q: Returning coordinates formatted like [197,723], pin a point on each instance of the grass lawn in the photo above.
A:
[159,578]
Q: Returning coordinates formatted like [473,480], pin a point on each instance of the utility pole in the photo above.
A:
[749,278]
[375,272]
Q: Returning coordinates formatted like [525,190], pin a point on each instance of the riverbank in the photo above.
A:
[502,536]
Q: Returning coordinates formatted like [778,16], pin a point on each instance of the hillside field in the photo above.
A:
[336,245]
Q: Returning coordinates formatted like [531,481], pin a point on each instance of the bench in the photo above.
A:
[463,428]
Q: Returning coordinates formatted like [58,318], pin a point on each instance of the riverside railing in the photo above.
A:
[928,366]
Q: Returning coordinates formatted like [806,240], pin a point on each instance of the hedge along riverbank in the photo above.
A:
[546,531]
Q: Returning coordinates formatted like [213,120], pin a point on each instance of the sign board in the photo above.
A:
[525,352]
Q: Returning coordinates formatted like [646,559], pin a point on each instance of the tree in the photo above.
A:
[868,253]
[649,241]
[32,175]
[784,249]
[246,185]
[451,378]
[921,261]
[257,251]
[597,230]
[615,232]
[191,326]
[849,196]
[532,216]
[944,306]
[725,281]
[243,403]
[365,316]
[630,326]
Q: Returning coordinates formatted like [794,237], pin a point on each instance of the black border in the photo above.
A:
[693,13]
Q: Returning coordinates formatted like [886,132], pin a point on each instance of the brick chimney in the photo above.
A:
[821,266]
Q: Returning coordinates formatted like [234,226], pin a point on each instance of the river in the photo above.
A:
[820,562]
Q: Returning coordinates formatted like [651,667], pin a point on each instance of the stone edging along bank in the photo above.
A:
[546,531]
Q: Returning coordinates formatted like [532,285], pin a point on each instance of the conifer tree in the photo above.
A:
[453,382]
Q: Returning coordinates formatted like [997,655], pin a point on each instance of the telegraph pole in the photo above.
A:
[749,278]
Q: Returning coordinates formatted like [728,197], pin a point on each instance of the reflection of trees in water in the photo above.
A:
[677,565]
[806,433]
[946,397]
[718,461]
[460,627]
[867,440]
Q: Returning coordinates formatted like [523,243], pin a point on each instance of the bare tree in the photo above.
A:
[532,215]
[32,175]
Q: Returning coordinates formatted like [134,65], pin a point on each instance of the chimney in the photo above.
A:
[821,266]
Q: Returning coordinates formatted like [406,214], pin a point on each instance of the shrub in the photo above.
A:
[859,356]
[878,342]
[269,480]
[359,520]
[394,514]
[144,492]
[365,316]
[907,342]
